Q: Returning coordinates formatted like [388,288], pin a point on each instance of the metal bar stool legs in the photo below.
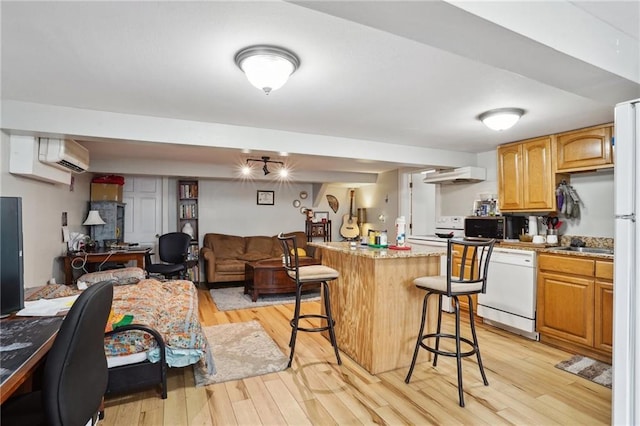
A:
[421,336]
[331,323]
[458,354]
[295,322]
[475,342]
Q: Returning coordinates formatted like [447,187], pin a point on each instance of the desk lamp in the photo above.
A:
[93,218]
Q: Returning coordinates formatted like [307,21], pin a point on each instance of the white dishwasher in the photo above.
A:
[510,300]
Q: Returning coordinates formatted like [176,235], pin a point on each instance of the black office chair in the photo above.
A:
[303,275]
[465,279]
[75,372]
[173,250]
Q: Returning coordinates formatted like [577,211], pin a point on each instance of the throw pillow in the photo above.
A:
[301,252]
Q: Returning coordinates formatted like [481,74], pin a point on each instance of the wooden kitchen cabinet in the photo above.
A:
[526,180]
[575,304]
[456,262]
[585,149]
[603,336]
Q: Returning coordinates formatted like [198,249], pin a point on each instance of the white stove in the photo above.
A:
[445,225]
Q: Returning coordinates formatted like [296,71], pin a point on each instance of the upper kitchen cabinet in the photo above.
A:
[526,180]
[584,149]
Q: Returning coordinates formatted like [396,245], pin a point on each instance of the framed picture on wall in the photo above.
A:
[265,198]
[320,216]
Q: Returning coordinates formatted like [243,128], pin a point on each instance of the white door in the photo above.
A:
[423,206]
[143,211]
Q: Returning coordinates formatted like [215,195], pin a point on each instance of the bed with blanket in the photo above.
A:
[161,327]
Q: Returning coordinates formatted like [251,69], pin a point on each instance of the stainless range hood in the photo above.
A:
[459,175]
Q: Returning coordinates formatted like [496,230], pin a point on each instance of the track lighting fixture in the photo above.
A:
[246,170]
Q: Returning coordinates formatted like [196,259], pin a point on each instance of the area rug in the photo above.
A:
[590,369]
[231,298]
[240,350]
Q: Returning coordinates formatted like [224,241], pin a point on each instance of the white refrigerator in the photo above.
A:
[626,290]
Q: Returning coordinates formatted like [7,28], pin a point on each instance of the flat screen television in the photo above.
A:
[11,259]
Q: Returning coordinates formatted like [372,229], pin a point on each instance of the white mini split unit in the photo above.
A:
[65,154]
[459,175]
[48,160]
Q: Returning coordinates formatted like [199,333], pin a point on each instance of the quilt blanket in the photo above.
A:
[170,307]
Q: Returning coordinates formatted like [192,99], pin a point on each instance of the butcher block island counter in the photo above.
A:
[375,304]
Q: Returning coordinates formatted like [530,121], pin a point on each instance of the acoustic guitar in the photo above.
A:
[349,228]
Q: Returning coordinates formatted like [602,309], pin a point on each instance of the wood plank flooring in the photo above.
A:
[524,387]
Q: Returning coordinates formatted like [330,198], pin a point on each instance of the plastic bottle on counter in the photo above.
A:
[400,231]
[383,238]
[372,237]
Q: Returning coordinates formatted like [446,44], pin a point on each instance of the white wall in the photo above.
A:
[42,207]
[595,190]
[457,199]
[381,199]
[230,207]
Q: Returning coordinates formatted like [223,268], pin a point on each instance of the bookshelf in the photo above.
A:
[188,222]
[112,212]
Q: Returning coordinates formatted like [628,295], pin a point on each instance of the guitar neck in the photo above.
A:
[351,205]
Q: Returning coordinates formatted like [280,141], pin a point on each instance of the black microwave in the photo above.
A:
[498,227]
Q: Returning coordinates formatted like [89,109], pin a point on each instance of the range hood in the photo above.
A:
[459,175]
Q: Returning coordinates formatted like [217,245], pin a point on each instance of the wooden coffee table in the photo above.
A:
[269,277]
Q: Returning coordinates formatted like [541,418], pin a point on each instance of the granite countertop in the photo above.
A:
[565,240]
[381,253]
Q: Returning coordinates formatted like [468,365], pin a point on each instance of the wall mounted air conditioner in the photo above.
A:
[65,154]
[459,175]
[23,161]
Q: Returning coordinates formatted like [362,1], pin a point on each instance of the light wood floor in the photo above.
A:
[524,387]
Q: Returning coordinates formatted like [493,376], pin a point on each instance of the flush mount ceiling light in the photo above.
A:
[282,172]
[502,118]
[267,67]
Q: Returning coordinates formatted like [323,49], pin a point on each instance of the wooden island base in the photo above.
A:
[375,304]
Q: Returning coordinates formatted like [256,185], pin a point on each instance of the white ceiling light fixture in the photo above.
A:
[267,67]
[502,118]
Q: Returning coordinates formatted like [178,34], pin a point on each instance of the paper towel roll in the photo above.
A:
[533,225]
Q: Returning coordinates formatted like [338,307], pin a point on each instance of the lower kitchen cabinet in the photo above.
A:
[575,304]
[464,301]
[603,337]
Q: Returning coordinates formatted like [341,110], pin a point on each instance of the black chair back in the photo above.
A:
[174,247]
[75,374]
[289,245]
[474,263]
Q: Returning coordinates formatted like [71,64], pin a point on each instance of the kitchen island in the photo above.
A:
[375,304]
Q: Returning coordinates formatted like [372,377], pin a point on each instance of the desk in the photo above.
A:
[24,343]
[99,257]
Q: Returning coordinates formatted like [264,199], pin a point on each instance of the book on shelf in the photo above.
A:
[188,211]
[188,190]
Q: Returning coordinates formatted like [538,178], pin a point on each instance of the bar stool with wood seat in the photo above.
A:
[303,275]
[464,279]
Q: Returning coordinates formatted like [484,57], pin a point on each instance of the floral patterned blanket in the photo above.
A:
[170,307]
